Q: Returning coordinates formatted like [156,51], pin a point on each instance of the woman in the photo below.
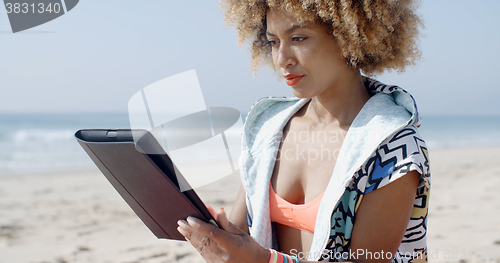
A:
[339,173]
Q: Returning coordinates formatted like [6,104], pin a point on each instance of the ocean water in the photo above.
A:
[45,142]
[460,131]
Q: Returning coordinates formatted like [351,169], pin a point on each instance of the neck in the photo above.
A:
[341,103]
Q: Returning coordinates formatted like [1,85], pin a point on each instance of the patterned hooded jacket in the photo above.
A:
[381,145]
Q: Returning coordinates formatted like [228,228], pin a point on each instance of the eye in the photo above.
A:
[298,39]
[272,42]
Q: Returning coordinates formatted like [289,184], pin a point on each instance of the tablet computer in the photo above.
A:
[149,183]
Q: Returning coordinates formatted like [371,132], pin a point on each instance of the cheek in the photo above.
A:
[313,60]
[274,57]
[332,60]
[335,55]
[307,58]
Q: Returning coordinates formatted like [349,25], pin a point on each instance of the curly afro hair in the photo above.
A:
[373,35]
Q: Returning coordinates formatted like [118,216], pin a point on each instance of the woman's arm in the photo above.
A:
[382,218]
[239,212]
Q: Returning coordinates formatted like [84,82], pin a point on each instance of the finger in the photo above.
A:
[216,234]
[183,229]
[207,248]
[228,225]
[212,211]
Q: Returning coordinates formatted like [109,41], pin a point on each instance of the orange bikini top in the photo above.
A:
[302,216]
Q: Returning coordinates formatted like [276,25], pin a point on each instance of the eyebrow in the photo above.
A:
[287,31]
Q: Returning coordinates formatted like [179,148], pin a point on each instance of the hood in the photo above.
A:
[400,96]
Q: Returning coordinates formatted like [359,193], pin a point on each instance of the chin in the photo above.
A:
[301,95]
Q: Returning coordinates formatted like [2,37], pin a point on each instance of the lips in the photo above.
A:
[292,79]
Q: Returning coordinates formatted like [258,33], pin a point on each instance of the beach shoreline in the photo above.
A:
[77,216]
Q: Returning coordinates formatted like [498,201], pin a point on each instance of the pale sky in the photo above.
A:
[98,55]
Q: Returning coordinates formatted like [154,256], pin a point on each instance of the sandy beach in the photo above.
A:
[78,216]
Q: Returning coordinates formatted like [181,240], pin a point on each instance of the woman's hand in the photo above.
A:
[229,244]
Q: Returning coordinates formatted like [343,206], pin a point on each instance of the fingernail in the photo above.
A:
[180,230]
[190,220]
[182,223]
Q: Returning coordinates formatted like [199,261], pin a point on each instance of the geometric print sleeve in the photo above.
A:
[402,153]
[399,154]
[405,151]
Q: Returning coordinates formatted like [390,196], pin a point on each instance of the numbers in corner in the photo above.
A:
[25,8]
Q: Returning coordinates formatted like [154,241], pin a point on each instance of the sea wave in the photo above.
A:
[41,135]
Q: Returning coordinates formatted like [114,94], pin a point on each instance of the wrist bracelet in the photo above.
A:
[274,256]
[281,257]
[278,257]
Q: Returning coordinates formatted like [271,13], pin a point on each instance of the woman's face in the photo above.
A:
[305,55]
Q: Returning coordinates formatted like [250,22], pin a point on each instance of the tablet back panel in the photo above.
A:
[145,187]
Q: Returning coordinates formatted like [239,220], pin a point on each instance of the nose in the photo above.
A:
[284,57]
